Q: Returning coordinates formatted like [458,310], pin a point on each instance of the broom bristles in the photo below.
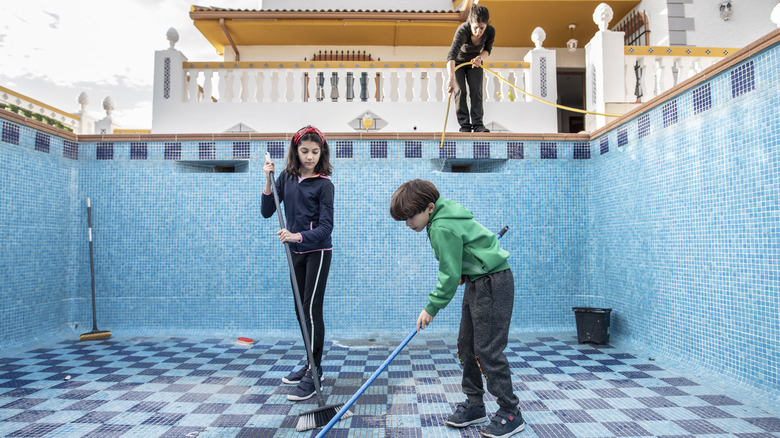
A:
[320,417]
[95,336]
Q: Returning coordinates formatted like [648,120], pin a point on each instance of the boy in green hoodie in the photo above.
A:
[468,253]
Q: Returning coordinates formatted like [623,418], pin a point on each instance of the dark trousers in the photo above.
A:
[484,330]
[473,76]
[311,271]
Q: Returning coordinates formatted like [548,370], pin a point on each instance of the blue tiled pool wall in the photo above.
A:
[190,250]
[37,235]
[683,216]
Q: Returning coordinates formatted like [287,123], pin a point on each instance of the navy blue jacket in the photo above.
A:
[308,209]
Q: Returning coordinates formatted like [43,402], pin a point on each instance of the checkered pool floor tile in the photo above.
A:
[212,387]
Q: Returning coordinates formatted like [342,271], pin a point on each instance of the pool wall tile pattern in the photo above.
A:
[676,230]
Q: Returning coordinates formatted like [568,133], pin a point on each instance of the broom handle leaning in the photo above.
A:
[368,383]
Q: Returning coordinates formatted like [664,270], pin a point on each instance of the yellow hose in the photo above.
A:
[567,108]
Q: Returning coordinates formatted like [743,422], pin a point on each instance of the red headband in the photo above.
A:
[307,130]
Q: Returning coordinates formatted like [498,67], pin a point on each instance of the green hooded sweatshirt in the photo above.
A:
[463,247]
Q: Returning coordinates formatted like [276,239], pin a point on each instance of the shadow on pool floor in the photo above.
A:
[213,387]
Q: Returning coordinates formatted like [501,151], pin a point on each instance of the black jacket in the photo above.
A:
[308,209]
[463,50]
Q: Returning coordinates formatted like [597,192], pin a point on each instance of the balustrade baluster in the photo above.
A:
[244,96]
[193,91]
[274,83]
[393,86]
[207,86]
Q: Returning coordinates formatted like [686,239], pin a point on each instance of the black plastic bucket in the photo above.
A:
[592,324]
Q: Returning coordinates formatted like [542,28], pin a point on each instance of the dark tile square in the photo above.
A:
[96,417]
[109,431]
[231,420]
[378,148]
[42,142]
[36,430]
[447,150]
[624,428]
[719,400]
[552,431]
[514,150]
[207,150]
[574,416]
[767,423]
[549,150]
[164,419]
[581,150]
[30,416]
[412,149]
[644,414]
[138,151]
[699,427]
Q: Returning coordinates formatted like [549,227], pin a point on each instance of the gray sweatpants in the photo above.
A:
[484,329]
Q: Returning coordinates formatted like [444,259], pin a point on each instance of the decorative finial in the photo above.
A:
[108,105]
[538,36]
[83,101]
[776,15]
[602,16]
[173,37]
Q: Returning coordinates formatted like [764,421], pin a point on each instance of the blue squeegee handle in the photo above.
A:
[368,383]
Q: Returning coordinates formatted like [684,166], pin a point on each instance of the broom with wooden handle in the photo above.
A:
[324,413]
[95,334]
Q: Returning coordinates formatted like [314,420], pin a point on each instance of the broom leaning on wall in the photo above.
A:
[95,334]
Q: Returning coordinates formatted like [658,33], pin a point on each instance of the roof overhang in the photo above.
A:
[514,21]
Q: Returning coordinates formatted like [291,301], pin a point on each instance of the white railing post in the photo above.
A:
[192,89]
[251,86]
[208,85]
[275,89]
[543,78]
[392,85]
[605,68]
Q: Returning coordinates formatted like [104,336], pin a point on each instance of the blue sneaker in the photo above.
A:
[305,389]
[294,377]
[466,414]
[504,425]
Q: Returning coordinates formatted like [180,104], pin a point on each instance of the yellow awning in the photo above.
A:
[514,21]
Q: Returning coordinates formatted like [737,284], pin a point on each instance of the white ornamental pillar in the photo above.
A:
[86,122]
[605,78]
[543,76]
[106,125]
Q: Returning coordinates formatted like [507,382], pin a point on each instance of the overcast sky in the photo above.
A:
[52,50]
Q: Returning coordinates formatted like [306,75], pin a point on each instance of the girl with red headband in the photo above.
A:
[307,193]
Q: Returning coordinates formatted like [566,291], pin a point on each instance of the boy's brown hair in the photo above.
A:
[412,198]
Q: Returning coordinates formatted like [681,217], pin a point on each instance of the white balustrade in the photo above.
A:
[659,73]
[404,84]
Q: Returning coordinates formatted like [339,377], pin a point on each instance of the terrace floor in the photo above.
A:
[213,387]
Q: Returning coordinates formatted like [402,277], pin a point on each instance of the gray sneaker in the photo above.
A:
[504,425]
[305,389]
[294,377]
[466,414]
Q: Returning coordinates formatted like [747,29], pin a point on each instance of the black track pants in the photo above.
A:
[311,271]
